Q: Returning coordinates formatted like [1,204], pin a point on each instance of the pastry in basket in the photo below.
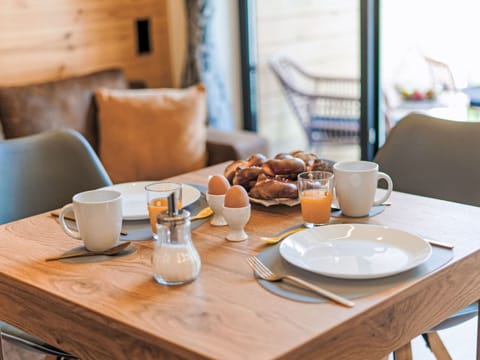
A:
[306,157]
[246,176]
[284,156]
[272,179]
[229,171]
[287,167]
[321,165]
[267,188]
[256,160]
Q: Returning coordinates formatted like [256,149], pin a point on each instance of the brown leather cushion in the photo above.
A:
[69,103]
[152,134]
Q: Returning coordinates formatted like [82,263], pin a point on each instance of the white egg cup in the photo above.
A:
[237,218]
[216,203]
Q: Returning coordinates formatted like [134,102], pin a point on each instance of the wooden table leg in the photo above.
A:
[437,347]
[478,333]
[404,353]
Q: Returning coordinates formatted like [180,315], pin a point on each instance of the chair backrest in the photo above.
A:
[442,75]
[327,107]
[433,157]
[42,172]
[289,76]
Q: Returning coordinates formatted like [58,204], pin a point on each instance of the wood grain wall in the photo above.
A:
[51,39]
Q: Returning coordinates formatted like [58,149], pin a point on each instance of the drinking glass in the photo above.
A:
[157,200]
[315,190]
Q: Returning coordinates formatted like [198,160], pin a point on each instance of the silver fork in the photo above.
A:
[265,273]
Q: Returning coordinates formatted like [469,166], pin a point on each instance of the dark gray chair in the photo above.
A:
[41,173]
[435,158]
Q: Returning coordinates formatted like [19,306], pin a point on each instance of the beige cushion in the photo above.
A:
[68,103]
[150,134]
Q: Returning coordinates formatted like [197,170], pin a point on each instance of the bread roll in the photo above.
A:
[287,167]
[306,157]
[230,169]
[256,160]
[321,165]
[284,156]
[268,188]
[246,176]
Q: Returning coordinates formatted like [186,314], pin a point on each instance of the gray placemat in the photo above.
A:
[138,230]
[350,289]
[375,210]
[131,249]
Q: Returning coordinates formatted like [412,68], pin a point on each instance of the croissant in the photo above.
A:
[288,167]
[268,188]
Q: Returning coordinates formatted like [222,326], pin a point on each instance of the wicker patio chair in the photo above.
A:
[443,79]
[328,108]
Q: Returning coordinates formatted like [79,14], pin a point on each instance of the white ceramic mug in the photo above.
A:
[98,214]
[356,186]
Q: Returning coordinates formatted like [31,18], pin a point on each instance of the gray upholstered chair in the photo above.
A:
[40,173]
[435,158]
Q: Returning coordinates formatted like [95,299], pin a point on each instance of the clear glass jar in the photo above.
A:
[175,259]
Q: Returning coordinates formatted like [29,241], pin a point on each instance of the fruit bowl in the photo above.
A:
[417,95]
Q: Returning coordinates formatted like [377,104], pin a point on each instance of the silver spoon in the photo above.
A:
[112,251]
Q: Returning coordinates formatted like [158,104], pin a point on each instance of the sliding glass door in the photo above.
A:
[303,71]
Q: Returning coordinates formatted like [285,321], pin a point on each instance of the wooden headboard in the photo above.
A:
[53,39]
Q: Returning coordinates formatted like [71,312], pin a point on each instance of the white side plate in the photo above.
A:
[135,199]
[355,251]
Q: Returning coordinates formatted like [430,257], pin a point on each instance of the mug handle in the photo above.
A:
[382,175]
[68,231]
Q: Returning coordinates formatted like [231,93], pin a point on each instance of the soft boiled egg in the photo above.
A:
[218,185]
[236,197]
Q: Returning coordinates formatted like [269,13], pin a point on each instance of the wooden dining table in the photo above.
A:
[115,310]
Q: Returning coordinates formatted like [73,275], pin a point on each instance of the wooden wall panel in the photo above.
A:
[53,39]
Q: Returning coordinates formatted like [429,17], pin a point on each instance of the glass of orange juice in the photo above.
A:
[157,200]
[315,190]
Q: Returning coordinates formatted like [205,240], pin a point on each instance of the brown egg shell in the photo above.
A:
[218,185]
[236,197]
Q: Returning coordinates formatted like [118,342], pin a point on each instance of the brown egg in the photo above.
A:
[236,197]
[218,185]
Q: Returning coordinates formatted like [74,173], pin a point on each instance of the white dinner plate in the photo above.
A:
[135,199]
[355,251]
